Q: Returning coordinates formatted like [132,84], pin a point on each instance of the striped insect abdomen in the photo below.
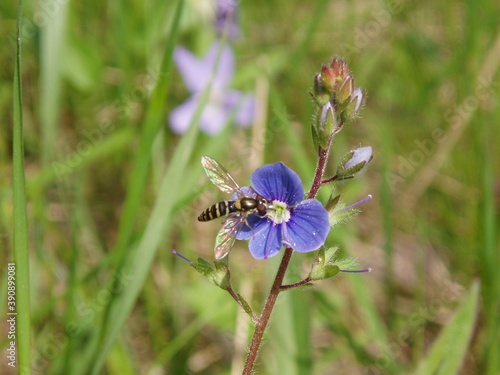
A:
[217,210]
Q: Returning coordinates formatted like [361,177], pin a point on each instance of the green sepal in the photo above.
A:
[349,172]
[345,90]
[323,138]
[324,272]
[324,266]
[315,135]
[203,267]
[332,202]
[334,207]
[321,96]
[337,217]
[347,264]
[349,114]
[218,273]
[325,124]
[205,263]
[223,275]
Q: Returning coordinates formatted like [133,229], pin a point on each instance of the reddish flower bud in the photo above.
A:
[345,90]
[339,67]
[328,78]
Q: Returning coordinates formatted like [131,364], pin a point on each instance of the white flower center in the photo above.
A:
[279,212]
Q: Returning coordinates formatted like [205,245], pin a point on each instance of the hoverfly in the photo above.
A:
[236,211]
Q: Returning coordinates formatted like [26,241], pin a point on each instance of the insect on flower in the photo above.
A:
[244,202]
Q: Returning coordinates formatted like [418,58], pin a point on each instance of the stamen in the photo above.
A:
[355,204]
[180,256]
[279,213]
[357,271]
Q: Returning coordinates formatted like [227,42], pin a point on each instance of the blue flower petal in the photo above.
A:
[267,242]
[278,182]
[255,225]
[308,226]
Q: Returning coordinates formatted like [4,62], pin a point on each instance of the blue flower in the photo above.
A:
[291,221]
[222,101]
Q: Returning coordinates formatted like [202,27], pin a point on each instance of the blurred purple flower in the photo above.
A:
[226,16]
[221,102]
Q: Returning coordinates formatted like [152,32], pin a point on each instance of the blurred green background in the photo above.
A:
[111,190]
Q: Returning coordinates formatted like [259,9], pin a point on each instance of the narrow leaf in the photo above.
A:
[19,270]
[448,352]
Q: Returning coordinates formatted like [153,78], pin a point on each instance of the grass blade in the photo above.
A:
[448,352]
[21,250]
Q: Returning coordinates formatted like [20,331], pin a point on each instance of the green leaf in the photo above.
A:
[245,305]
[20,269]
[448,352]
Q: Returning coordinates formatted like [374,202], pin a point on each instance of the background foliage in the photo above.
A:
[111,190]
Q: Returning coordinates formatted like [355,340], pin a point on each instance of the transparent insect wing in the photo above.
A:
[227,235]
[219,176]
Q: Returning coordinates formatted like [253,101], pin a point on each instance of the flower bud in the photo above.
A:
[339,67]
[354,162]
[321,95]
[332,76]
[325,124]
[345,90]
[352,109]
[328,78]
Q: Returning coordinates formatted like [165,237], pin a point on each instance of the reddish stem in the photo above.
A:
[266,313]
[331,179]
[297,284]
[320,169]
